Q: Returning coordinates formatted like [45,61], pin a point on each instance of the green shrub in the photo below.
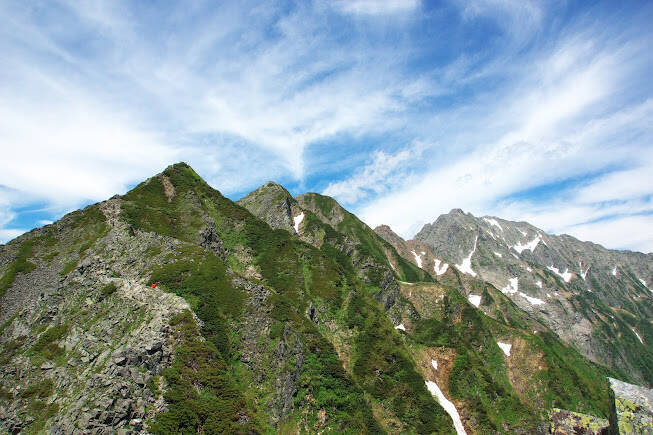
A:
[204,281]
[69,267]
[6,394]
[201,396]
[109,289]
[40,390]
[45,344]
[19,265]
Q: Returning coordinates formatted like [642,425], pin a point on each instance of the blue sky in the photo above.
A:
[401,109]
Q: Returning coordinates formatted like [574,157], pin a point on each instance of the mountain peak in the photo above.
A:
[272,203]
[178,165]
[271,189]
[383,227]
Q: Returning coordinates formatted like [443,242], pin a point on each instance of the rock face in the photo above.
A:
[566,422]
[101,337]
[594,298]
[418,253]
[634,406]
[273,204]
[171,309]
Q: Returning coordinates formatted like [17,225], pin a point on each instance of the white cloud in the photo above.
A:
[96,98]
[519,18]
[9,234]
[385,171]
[376,7]
[560,120]
[627,232]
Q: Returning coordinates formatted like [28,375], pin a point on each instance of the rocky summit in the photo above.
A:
[598,300]
[172,309]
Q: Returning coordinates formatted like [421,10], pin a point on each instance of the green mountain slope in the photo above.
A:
[173,309]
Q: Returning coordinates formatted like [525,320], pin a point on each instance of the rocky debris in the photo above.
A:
[209,239]
[256,326]
[289,355]
[634,407]
[48,365]
[565,422]
[111,346]
[168,188]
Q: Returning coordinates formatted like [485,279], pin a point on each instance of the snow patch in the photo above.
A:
[475,300]
[512,287]
[418,259]
[530,245]
[523,233]
[401,327]
[566,275]
[491,235]
[548,295]
[466,266]
[532,300]
[644,283]
[498,255]
[583,274]
[448,406]
[640,338]
[434,363]
[423,253]
[493,222]
[440,270]
[529,269]
[505,347]
[614,271]
[298,219]
[539,283]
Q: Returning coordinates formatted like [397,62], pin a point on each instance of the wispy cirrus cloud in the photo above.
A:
[99,95]
[376,7]
[568,119]
[512,98]
[384,172]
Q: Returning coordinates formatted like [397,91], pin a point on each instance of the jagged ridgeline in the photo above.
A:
[273,314]
[595,299]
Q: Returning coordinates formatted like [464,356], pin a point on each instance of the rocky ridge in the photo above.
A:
[592,297]
[260,320]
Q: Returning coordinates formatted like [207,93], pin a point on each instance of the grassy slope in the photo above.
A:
[297,274]
[381,382]
[368,243]
[551,373]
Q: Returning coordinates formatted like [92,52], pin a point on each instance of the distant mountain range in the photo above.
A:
[172,309]
[594,298]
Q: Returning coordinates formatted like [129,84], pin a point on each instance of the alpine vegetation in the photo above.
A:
[172,309]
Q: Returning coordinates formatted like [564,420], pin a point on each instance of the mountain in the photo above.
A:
[172,309]
[596,299]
